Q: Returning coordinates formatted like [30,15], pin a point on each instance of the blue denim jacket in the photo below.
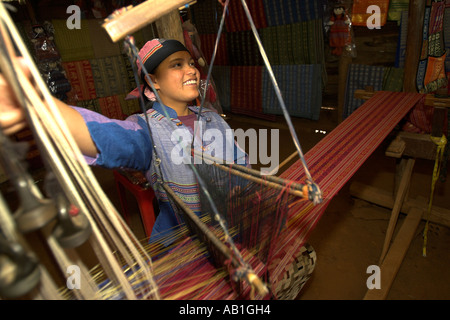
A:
[127,143]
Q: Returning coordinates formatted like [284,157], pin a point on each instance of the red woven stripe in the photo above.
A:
[79,74]
[335,159]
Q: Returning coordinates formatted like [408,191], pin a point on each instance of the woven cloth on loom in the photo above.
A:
[334,160]
[237,20]
[301,88]
[292,11]
[101,41]
[73,44]
[111,107]
[246,91]
[109,76]
[79,74]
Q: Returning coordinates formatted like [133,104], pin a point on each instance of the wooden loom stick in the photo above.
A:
[252,278]
[285,161]
[401,195]
[296,189]
[133,19]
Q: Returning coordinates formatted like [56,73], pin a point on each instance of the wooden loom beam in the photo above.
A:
[392,255]
[135,18]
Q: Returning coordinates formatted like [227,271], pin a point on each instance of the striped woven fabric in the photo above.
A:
[243,49]
[396,7]
[207,15]
[431,69]
[109,76]
[92,104]
[401,45]
[246,91]
[101,42]
[359,76]
[208,41]
[129,75]
[334,160]
[129,106]
[298,43]
[292,11]
[73,44]
[222,79]
[79,74]
[111,107]
[301,87]
[447,38]
[237,20]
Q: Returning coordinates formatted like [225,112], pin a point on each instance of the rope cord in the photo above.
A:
[441,143]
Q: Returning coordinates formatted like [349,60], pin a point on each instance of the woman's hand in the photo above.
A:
[12,116]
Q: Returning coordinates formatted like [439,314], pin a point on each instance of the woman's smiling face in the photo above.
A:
[177,79]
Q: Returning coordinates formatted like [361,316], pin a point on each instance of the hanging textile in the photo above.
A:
[301,86]
[101,43]
[110,107]
[108,74]
[239,22]
[401,44]
[73,44]
[246,91]
[222,77]
[208,42]
[79,74]
[291,11]
[206,15]
[396,8]
[358,77]
[431,70]
[243,49]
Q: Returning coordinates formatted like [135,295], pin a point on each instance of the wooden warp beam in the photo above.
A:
[131,19]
